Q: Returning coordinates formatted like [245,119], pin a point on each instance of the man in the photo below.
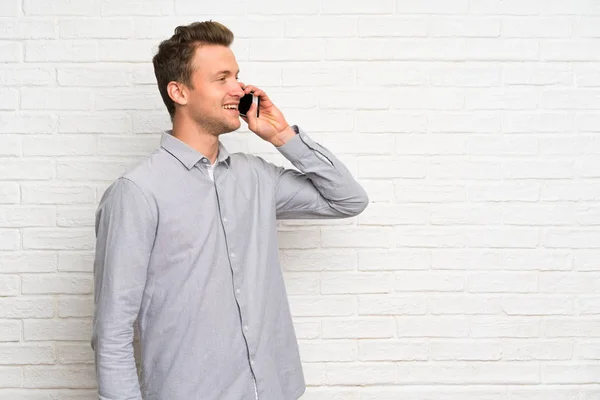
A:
[187,240]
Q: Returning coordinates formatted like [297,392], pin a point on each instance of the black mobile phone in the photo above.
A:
[246,102]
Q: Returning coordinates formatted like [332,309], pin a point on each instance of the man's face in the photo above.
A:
[212,103]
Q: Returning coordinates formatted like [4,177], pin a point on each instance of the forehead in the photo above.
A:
[210,59]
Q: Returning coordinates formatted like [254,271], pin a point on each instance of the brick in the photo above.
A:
[528,305]
[75,217]
[287,50]
[587,351]
[460,215]
[75,354]
[318,260]
[299,238]
[28,29]
[539,214]
[10,145]
[459,169]
[328,350]
[513,237]
[503,327]
[9,99]
[504,7]
[320,27]
[428,392]
[26,307]
[315,306]
[307,328]
[58,239]
[390,168]
[56,194]
[28,262]
[392,27]
[96,77]
[465,351]
[11,377]
[24,76]
[21,354]
[568,282]
[467,76]
[537,27]
[544,393]
[586,27]
[128,99]
[347,283]
[343,7]
[571,327]
[55,99]
[432,7]
[10,8]
[468,259]
[457,304]
[10,285]
[27,123]
[11,52]
[392,350]
[361,374]
[347,99]
[357,237]
[468,373]
[95,28]
[99,122]
[10,239]
[60,7]
[20,217]
[429,237]
[92,170]
[569,50]
[498,99]
[527,350]
[502,282]
[588,305]
[432,327]
[587,76]
[77,377]
[575,7]
[389,74]
[59,145]
[570,374]
[10,330]
[378,190]
[301,283]
[9,193]
[404,259]
[571,238]
[372,327]
[58,329]
[586,260]
[465,27]
[393,214]
[391,305]
[56,284]
[126,50]
[411,281]
[70,261]
[60,51]
[128,145]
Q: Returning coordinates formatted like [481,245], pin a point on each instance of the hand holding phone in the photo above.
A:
[245,103]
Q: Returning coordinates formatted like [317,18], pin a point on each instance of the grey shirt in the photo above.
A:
[194,262]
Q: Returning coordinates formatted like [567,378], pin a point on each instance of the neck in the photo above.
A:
[197,138]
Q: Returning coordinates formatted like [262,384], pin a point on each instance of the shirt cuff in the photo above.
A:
[297,147]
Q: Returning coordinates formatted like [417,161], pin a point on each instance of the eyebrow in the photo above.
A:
[226,72]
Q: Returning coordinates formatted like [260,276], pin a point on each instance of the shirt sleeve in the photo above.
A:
[322,187]
[125,231]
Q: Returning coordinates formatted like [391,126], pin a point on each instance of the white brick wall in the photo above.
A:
[475,272]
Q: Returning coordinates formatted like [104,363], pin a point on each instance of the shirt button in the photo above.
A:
[251,362]
[232,255]
[237,291]
[225,219]
[245,327]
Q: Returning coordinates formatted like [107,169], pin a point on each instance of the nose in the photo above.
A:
[237,89]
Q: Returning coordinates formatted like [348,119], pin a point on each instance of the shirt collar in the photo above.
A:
[187,155]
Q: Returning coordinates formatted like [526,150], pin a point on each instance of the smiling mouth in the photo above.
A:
[230,107]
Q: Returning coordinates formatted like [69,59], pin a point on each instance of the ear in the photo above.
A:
[178,92]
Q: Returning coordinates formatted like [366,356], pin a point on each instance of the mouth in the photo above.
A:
[231,107]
